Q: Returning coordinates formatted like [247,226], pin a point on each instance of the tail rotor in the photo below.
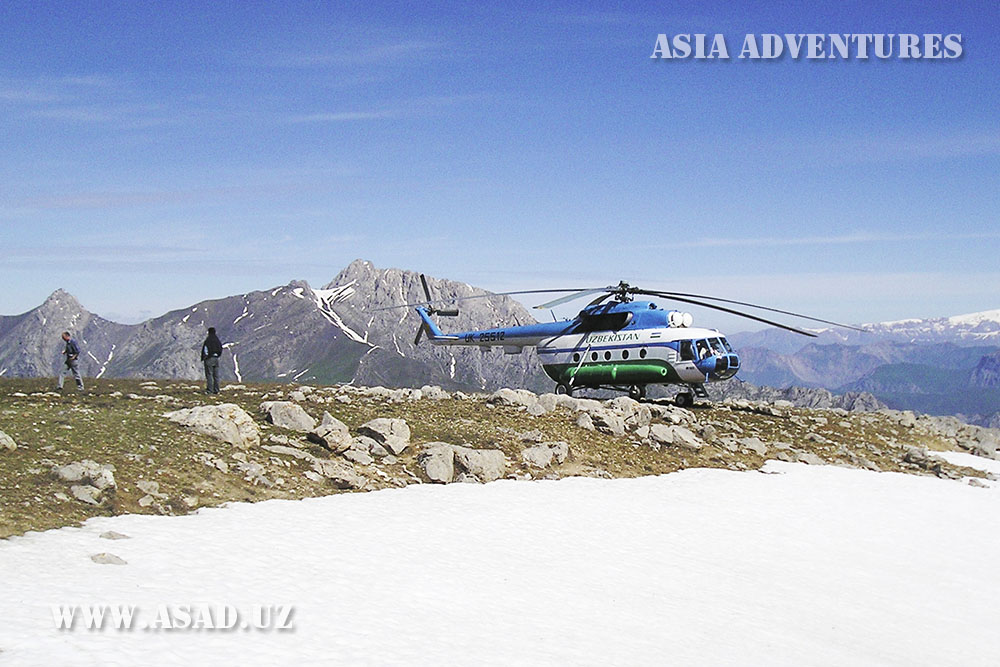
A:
[443,312]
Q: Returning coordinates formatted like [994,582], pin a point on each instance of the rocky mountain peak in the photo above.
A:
[61,300]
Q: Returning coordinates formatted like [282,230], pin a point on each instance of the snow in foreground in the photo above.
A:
[806,565]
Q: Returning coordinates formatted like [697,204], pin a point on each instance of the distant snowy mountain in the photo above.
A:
[336,333]
[973,329]
[946,365]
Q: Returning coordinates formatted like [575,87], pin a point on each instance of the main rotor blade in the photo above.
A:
[427,290]
[754,305]
[570,297]
[674,297]
[431,302]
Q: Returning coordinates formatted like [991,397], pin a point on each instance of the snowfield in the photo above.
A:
[796,565]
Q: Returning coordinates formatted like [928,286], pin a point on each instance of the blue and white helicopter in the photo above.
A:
[622,345]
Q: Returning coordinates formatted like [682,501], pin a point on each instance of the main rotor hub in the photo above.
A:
[623,293]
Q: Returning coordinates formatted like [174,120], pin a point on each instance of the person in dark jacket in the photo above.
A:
[71,364]
[211,350]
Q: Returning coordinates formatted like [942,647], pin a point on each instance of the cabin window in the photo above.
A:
[607,355]
[576,356]
[624,354]
[593,356]
[642,353]
[687,350]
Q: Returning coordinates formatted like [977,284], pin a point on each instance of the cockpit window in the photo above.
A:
[727,345]
[717,346]
[703,349]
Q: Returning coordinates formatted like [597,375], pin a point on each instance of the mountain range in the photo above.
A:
[350,331]
[940,366]
[345,331]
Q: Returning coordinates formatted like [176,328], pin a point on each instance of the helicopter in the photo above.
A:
[615,342]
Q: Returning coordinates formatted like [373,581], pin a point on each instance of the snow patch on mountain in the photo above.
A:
[325,298]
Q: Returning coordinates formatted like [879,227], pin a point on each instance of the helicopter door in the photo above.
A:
[685,365]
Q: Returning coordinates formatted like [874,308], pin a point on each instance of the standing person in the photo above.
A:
[211,350]
[71,364]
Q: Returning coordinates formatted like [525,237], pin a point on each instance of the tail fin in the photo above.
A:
[429,327]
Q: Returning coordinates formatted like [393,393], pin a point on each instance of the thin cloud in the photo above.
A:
[414,107]
[846,239]
[394,52]
[342,116]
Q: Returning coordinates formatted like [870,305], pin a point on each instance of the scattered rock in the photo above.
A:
[286,414]
[87,472]
[112,535]
[513,397]
[393,434]
[606,421]
[358,456]
[151,488]
[226,421]
[7,443]
[585,421]
[86,493]
[434,393]
[438,462]
[341,475]
[753,444]
[331,433]
[677,436]
[542,455]
[107,559]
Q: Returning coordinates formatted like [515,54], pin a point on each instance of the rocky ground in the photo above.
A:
[163,447]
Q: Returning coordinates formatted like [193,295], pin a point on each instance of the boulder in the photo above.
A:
[753,444]
[108,559]
[113,535]
[225,421]
[7,443]
[286,414]
[393,434]
[513,397]
[486,464]
[607,421]
[87,472]
[86,493]
[548,401]
[441,461]
[358,456]
[434,393]
[809,458]
[438,462]
[542,455]
[677,436]
[585,421]
[341,475]
[331,433]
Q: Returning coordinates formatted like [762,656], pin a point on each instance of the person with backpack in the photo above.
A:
[71,364]
[211,350]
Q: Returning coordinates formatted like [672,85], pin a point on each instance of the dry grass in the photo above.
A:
[108,426]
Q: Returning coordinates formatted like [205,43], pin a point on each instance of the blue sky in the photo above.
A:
[158,154]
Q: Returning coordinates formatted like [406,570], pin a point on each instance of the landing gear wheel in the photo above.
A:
[684,400]
[564,390]
[637,392]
